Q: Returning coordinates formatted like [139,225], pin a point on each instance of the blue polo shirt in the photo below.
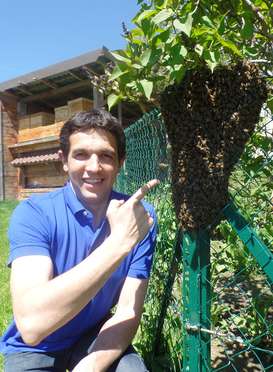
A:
[57,225]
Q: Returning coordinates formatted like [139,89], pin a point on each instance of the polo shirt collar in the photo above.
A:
[71,199]
[74,203]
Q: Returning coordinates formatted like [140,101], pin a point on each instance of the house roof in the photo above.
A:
[53,86]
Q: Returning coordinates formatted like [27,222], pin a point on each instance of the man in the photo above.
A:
[74,254]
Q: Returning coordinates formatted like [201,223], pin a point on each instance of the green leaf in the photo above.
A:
[132,85]
[162,37]
[178,25]
[121,58]
[183,51]
[178,73]
[112,100]
[229,45]
[147,87]
[199,49]
[172,37]
[144,15]
[184,25]
[211,64]
[239,321]
[202,32]
[251,51]
[221,27]
[220,268]
[162,16]
[148,28]
[247,30]
[217,56]
[117,72]
[155,56]
[205,20]
[212,58]
[137,66]
[177,54]
[136,32]
[144,59]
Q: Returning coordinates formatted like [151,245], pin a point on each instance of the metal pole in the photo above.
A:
[196,299]
[255,245]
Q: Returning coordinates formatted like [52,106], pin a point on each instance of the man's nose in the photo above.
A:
[93,163]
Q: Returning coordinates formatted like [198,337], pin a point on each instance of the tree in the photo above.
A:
[195,59]
[173,36]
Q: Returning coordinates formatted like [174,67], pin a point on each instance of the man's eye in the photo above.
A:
[107,156]
[79,155]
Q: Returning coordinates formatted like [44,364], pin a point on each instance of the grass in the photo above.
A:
[6,209]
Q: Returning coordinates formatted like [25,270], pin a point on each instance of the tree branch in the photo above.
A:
[258,15]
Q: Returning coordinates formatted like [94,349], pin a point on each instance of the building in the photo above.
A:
[33,108]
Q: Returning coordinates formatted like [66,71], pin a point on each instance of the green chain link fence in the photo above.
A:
[209,304]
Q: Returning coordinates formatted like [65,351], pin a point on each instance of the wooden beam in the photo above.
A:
[21,108]
[23,90]
[75,76]
[98,98]
[55,92]
[47,104]
[89,72]
[39,133]
[7,97]
[48,84]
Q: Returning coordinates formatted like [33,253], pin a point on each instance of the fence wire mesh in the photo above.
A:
[240,302]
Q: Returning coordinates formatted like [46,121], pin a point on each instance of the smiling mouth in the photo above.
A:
[93,181]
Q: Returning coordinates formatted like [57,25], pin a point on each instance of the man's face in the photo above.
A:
[92,165]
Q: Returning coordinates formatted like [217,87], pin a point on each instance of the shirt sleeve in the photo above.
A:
[142,258]
[28,231]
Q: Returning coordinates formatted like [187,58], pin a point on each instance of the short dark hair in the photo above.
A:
[94,119]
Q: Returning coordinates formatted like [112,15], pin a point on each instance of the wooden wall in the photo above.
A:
[9,137]
[40,132]
[43,175]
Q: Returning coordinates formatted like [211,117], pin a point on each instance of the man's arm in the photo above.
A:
[118,332]
[42,304]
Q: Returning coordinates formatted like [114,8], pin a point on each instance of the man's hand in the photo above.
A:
[129,222]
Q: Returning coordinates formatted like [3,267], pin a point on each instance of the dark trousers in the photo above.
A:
[66,360]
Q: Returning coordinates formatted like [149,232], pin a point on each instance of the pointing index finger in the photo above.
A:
[143,190]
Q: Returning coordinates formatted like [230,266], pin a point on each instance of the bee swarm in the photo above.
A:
[209,118]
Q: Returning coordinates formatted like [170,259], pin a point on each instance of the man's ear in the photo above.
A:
[63,159]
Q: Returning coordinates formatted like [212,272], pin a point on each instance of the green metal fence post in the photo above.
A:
[251,240]
[196,301]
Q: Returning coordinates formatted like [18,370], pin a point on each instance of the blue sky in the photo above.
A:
[35,34]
